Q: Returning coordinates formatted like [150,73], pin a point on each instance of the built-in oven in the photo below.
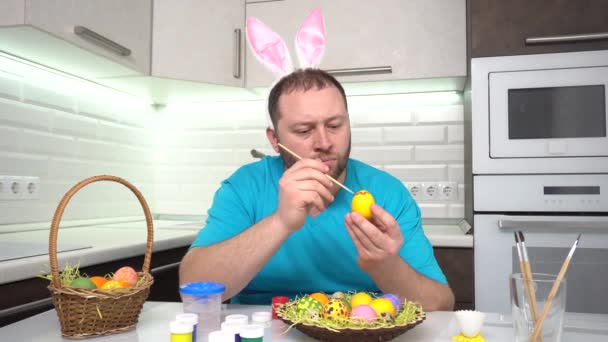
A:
[551,210]
[540,113]
[539,129]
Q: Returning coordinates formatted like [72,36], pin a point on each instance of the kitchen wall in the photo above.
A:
[55,130]
[178,157]
[418,138]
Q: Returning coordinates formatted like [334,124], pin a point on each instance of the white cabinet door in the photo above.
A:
[12,12]
[199,40]
[126,23]
[416,38]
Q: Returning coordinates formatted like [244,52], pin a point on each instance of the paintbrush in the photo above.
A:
[560,276]
[526,272]
[295,155]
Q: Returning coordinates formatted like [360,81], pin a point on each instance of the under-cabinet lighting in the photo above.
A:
[47,78]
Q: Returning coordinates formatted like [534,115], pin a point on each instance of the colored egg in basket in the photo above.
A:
[335,308]
[363,312]
[394,299]
[308,304]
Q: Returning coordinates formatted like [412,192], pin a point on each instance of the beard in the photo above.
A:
[335,171]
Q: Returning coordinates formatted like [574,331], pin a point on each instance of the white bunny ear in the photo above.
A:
[310,40]
[268,47]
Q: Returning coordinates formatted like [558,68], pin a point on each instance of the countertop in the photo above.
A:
[114,241]
[439,326]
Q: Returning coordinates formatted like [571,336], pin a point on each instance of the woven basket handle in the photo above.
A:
[64,202]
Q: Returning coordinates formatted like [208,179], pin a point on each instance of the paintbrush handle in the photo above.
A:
[328,176]
[538,327]
[531,292]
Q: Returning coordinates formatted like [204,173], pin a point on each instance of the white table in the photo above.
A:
[154,327]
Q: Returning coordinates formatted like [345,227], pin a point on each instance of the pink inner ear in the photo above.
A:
[310,39]
[267,45]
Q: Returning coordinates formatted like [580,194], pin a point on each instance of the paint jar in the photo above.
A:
[181,331]
[189,318]
[252,333]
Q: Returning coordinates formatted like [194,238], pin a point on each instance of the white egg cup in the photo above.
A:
[469,322]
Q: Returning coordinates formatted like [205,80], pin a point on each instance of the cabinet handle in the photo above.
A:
[101,40]
[360,71]
[567,38]
[236,68]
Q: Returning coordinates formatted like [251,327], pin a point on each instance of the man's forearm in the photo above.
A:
[396,276]
[237,260]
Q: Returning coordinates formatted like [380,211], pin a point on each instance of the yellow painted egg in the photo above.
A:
[360,298]
[308,304]
[320,297]
[335,308]
[383,306]
[362,203]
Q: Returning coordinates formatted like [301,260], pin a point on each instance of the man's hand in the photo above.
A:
[304,190]
[377,240]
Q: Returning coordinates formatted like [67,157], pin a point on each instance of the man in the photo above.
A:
[279,226]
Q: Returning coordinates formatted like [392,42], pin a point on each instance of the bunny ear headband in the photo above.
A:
[270,49]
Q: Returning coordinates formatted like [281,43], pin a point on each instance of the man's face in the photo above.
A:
[314,124]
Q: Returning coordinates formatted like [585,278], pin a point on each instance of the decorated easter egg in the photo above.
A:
[363,312]
[362,203]
[383,305]
[394,299]
[320,297]
[360,298]
[335,308]
[338,295]
[307,304]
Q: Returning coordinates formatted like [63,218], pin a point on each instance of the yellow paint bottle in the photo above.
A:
[181,331]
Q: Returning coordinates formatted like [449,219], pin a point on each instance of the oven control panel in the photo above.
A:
[541,193]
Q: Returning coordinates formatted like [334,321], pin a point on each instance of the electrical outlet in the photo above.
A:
[448,191]
[415,190]
[429,191]
[30,186]
[4,187]
[14,188]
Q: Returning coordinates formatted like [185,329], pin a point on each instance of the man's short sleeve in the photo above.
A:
[227,217]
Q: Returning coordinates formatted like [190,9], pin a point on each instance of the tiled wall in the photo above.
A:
[417,142]
[177,158]
[63,137]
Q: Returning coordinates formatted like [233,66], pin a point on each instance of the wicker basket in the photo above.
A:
[91,312]
[352,334]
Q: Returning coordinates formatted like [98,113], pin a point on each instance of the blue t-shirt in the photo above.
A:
[320,256]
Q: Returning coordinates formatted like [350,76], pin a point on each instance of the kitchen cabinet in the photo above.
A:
[457,265]
[25,298]
[501,28]
[90,39]
[199,41]
[417,39]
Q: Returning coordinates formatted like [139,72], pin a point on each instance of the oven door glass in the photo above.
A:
[496,257]
[549,113]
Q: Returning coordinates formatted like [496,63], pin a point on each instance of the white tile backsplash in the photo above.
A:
[178,157]
[46,138]
[414,135]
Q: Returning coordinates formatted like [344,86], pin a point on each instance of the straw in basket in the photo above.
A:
[91,312]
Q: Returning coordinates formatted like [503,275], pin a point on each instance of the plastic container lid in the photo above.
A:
[232,327]
[242,319]
[202,288]
[187,317]
[221,336]
[262,317]
[179,327]
[252,331]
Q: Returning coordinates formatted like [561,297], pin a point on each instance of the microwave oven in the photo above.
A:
[540,114]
